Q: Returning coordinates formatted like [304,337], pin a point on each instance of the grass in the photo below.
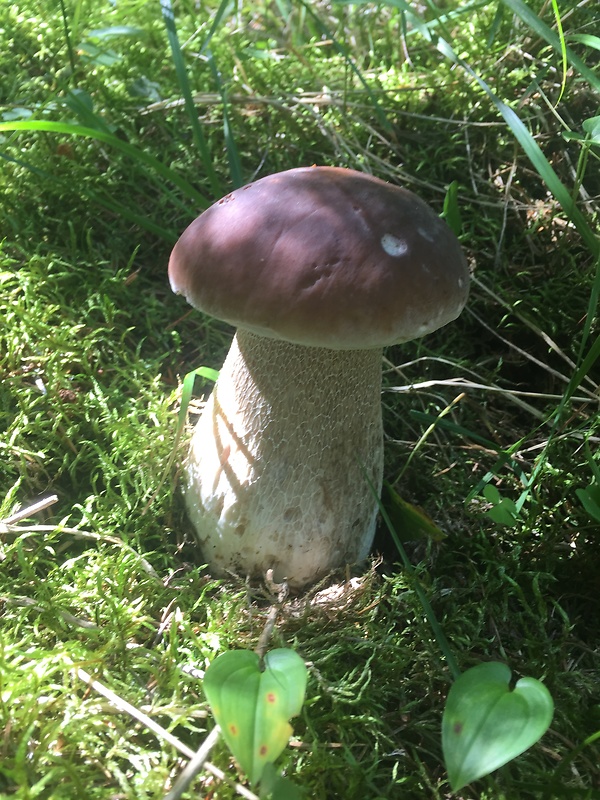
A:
[117,129]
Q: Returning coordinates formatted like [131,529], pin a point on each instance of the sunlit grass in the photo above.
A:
[94,348]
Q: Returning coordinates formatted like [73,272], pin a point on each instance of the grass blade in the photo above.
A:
[417,22]
[380,113]
[586,365]
[184,85]
[130,150]
[233,155]
[546,33]
[533,152]
[563,50]
[124,211]
[436,628]
[215,24]
[70,50]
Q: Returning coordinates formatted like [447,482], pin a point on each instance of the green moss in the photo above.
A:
[93,348]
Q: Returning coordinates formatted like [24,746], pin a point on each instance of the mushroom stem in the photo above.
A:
[276,476]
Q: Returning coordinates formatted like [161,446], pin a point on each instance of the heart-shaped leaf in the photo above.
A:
[253,707]
[503,510]
[485,724]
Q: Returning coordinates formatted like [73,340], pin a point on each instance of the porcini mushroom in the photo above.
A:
[319,268]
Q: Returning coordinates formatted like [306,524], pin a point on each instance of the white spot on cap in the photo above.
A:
[393,246]
[426,234]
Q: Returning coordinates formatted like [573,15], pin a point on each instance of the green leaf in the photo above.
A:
[595,468]
[409,521]
[100,56]
[253,707]
[451,212]
[591,127]
[115,30]
[485,724]
[18,112]
[188,390]
[585,38]
[81,103]
[503,511]
[144,87]
[590,500]
[276,787]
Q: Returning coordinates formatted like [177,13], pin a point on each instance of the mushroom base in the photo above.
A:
[285,460]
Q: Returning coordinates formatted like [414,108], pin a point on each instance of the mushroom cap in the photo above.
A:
[324,257]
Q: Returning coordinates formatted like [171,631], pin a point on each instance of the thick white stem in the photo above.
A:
[276,471]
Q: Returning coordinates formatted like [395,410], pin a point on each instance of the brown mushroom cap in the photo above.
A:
[325,257]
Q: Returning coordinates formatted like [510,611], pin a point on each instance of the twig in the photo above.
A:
[263,641]
[158,730]
[308,99]
[19,530]
[194,765]
[555,373]
[29,511]
[489,387]
[537,330]
[282,590]
[134,712]
[29,602]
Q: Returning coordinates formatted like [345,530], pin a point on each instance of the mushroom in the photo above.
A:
[319,268]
